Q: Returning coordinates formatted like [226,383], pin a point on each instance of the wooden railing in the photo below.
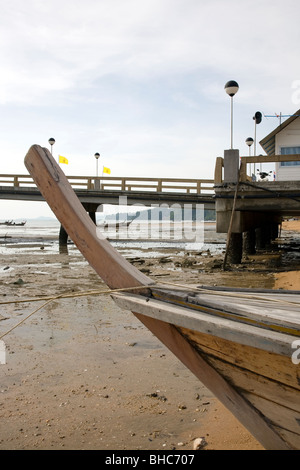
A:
[264,159]
[244,161]
[184,185]
[219,170]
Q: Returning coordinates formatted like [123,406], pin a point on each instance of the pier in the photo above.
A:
[250,212]
[93,192]
[96,191]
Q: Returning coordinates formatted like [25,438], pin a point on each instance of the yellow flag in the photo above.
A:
[106,170]
[62,160]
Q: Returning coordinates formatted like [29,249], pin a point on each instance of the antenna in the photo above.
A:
[280,116]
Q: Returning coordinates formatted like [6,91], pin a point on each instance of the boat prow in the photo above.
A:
[242,345]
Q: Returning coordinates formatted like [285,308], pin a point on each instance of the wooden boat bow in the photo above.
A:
[115,270]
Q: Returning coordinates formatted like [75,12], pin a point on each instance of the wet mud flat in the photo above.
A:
[82,374]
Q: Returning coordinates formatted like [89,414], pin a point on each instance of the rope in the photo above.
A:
[173,284]
[69,296]
[24,319]
[231,220]
[62,296]
[126,289]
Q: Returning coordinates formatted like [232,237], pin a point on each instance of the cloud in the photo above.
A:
[142,82]
[48,47]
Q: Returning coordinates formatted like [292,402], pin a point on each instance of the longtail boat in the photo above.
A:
[242,344]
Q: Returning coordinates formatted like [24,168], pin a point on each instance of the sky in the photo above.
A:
[141,83]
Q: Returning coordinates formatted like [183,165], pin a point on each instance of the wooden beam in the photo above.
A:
[235,331]
[272,158]
[111,266]
[219,170]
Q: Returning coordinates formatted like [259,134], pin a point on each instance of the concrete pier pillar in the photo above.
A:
[93,216]
[259,239]
[63,236]
[231,165]
[274,231]
[249,242]
[263,237]
[235,248]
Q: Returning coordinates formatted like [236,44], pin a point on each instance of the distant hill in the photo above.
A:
[162,213]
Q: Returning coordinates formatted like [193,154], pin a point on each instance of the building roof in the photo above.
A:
[268,143]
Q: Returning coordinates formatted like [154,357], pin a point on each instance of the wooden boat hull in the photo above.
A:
[238,345]
[260,387]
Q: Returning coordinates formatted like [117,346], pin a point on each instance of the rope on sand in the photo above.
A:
[76,294]
[127,289]
[62,296]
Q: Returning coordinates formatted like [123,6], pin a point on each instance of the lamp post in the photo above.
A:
[97,155]
[97,181]
[51,142]
[249,141]
[257,119]
[231,89]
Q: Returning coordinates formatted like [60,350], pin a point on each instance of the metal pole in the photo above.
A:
[254,146]
[231,125]
[250,156]
[97,182]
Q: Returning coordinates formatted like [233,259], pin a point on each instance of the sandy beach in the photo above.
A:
[82,374]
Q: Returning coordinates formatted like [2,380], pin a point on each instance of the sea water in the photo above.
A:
[139,239]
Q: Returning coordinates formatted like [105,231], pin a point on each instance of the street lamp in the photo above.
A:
[97,155]
[231,89]
[257,119]
[51,142]
[249,141]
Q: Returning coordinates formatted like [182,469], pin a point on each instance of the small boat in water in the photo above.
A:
[242,344]
[114,225]
[11,223]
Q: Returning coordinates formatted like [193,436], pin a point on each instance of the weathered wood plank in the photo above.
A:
[264,363]
[263,312]
[260,385]
[288,436]
[278,313]
[279,403]
[240,333]
[249,290]
[271,158]
[280,415]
